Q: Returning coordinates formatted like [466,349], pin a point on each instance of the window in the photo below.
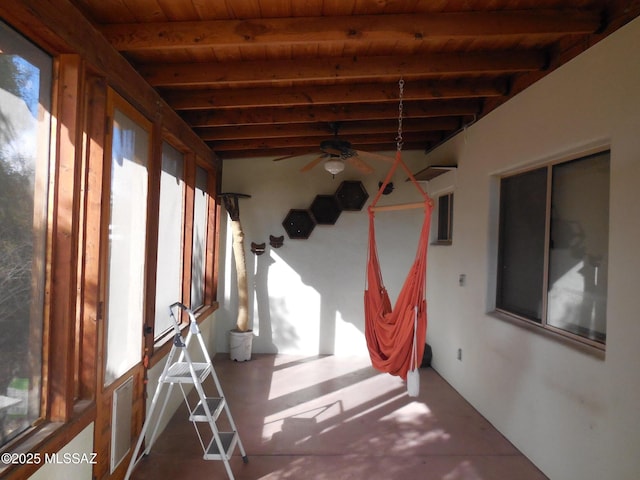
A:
[25,97]
[553,247]
[445,219]
[199,253]
[170,237]
[127,243]
[75,195]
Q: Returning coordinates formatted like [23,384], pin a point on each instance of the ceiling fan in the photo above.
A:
[335,152]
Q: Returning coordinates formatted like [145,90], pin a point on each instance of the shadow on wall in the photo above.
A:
[307,296]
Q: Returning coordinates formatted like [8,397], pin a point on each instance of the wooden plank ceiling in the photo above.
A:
[272,78]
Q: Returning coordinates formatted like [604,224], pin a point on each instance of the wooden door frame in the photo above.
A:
[104,394]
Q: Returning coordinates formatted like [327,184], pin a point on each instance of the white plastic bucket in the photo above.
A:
[240,345]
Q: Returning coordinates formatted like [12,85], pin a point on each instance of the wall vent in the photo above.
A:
[121,423]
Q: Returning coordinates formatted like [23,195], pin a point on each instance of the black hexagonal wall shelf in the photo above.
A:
[325,209]
[351,195]
[299,223]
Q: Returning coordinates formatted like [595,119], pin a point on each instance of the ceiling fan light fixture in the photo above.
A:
[334,166]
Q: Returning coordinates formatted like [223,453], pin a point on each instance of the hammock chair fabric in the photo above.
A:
[396,336]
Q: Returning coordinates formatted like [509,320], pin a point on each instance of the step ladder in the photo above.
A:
[216,445]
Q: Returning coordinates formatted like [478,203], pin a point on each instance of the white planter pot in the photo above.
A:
[240,345]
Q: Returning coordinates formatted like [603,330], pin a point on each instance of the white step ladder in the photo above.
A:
[208,409]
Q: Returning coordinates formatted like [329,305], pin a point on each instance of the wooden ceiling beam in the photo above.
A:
[321,130]
[367,69]
[403,28]
[312,142]
[330,94]
[300,151]
[331,113]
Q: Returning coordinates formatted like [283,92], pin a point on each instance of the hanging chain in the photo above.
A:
[399,137]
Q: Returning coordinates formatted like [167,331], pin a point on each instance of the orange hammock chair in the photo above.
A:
[396,337]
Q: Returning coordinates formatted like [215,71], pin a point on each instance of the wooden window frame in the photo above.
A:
[73,300]
[156,349]
[154,225]
[119,103]
[69,335]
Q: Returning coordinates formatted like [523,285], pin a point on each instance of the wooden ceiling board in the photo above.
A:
[245,9]
[178,10]
[306,8]
[208,10]
[259,72]
[105,12]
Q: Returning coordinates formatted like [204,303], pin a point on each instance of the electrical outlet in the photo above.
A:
[460,354]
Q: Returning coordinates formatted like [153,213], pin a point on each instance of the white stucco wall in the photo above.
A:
[576,416]
[73,461]
[307,296]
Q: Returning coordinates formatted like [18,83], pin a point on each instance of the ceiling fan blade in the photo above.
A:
[373,156]
[335,146]
[360,164]
[286,157]
[331,150]
[313,163]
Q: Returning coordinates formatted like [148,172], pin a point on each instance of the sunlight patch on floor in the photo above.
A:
[312,398]
[464,471]
[301,374]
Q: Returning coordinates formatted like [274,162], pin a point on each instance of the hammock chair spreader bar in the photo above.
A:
[400,206]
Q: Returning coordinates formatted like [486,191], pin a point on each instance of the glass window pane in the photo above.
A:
[445,217]
[521,248]
[170,235]
[199,239]
[127,236]
[25,97]
[578,257]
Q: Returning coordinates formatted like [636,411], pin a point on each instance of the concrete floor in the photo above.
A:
[336,418]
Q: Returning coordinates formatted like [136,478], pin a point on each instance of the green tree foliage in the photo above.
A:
[16,232]
[16,238]
[13,80]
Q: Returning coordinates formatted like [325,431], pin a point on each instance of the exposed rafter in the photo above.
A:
[361,28]
[361,69]
[267,78]
[327,94]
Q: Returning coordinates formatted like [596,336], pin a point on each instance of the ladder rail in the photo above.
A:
[154,433]
[218,386]
[156,396]
[197,374]
[226,405]
[177,343]
[194,329]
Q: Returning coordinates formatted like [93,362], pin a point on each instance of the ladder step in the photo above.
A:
[179,372]
[188,372]
[215,405]
[229,440]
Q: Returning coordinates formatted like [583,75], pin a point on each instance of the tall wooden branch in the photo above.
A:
[231,203]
